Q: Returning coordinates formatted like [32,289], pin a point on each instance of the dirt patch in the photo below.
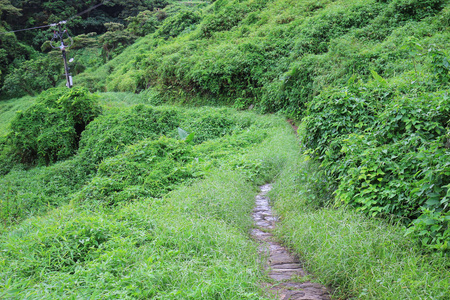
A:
[289,278]
[294,127]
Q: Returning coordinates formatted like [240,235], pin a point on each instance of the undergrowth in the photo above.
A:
[368,78]
[357,256]
[162,215]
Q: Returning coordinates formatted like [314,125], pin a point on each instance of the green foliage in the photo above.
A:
[189,243]
[360,256]
[50,130]
[183,21]
[432,228]
[26,193]
[416,9]
[149,168]
[137,251]
[331,116]
[368,77]
[440,66]
[212,125]
[111,132]
[82,41]
[12,52]
[75,242]
[115,40]
[278,57]
[120,149]
[33,76]
[8,9]
[7,160]
[388,158]
[144,23]
[224,17]
[30,73]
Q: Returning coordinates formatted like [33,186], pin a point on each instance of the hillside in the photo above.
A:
[278,55]
[140,181]
[368,79]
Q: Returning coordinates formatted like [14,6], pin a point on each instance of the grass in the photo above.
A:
[189,243]
[358,256]
[8,109]
[143,250]
[192,242]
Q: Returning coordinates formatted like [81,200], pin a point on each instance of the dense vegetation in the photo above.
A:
[155,203]
[28,64]
[367,81]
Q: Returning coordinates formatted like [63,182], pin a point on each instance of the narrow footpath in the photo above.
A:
[284,268]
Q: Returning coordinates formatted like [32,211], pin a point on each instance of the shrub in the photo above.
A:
[34,75]
[208,126]
[110,133]
[149,168]
[221,21]
[144,23]
[178,23]
[334,115]
[50,130]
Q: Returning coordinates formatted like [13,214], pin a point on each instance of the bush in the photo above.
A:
[50,130]
[34,75]
[223,20]
[110,133]
[149,168]
[178,23]
[389,158]
[144,23]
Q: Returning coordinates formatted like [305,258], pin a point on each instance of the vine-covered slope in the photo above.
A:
[369,79]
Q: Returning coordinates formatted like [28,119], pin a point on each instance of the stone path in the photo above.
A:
[284,268]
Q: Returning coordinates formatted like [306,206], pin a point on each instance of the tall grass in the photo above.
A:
[8,109]
[191,243]
[358,256]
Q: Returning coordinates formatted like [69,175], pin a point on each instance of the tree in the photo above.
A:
[33,76]
[6,8]
[115,39]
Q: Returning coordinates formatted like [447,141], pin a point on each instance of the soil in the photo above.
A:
[292,123]
[289,280]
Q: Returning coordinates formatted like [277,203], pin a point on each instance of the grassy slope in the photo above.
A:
[279,54]
[9,108]
[190,244]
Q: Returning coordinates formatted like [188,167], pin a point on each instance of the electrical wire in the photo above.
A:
[32,28]
[62,22]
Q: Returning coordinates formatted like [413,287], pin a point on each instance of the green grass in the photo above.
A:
[143,250]
[8,109]
[358,256]
[189,242]
[192,242]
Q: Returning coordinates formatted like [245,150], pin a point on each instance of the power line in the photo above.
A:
[32,28]
[59,23]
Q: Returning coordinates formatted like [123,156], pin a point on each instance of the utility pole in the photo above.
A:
[60,35]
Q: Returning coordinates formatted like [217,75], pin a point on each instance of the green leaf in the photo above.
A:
[190,137]
[378,78]
[433,202]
